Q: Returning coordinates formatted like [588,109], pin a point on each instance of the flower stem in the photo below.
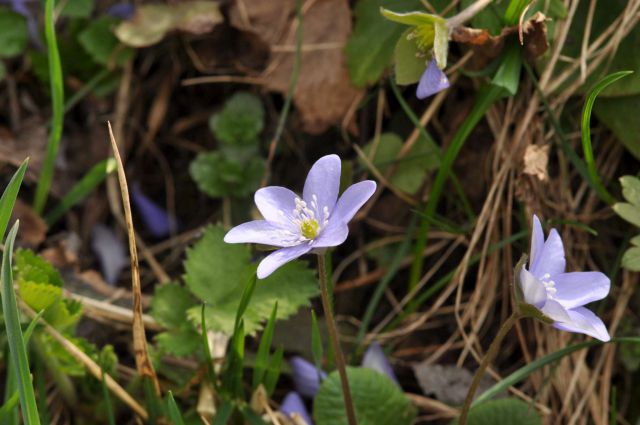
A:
[333,334]
[468,13]
[488,358]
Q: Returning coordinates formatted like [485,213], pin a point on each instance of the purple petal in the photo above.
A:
[352,200]
[533,290]
[323,181]
[579,288]
[293,404]
[280,257]
[433,80]
[276,204]
[110,252]
[262,232]
[551,259]
[375,359]
[306,378]
[156,219]
[332,235]
[582,320]
[537,241]
[555,311]
[121,10]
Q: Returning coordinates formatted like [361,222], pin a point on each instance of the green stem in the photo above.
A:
[488,358]
[333,334]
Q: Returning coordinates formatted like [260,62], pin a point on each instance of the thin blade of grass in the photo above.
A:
[174,411]
[262,356]
[273,370]
[14,334]
[207,351]
[80,190]
[224,413]
[9,196]
[57,104]
[107,401]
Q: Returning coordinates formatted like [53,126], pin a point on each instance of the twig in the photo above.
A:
[467,14]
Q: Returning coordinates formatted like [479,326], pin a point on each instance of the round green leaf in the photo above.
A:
[505,411]
[377,400]
[410,62]
[14,34]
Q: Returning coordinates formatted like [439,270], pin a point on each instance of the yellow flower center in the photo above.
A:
[309,228]
[424,36]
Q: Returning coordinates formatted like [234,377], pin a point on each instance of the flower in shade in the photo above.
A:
[298,225]
[560,296]
[306,377]
[155,218]
[433,80]
[294,405]
[375,359]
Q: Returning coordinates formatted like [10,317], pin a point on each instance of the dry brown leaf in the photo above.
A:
[324,92]
[536,159]
[33,229]
[30,141]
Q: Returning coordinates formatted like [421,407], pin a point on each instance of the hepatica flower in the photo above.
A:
[298,225]
[558,295]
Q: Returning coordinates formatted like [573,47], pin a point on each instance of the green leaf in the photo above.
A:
[631,189]
[635,240]
[98,41]
[631,259]
[273,370]
[240,121]
[619,115]
[218,177]
[170,303]
[9,196]
[77,8]
[413,19]
[14,35]
[629,212]
[441,43]
[370,48]
[377,400]
[506,411]
[410,62]
[216,272]
[262,356]
[508,74]
[152,22]
[174,411]
[180,342]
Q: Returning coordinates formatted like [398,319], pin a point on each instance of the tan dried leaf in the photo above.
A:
[536,159]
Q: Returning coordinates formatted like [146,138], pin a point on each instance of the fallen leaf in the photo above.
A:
[536,159]
[32,227]
[324,92]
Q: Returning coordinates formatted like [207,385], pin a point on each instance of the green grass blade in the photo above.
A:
[57,103]
[527,370]
[262,357]
[174,411]
[224,413]
[80,190]
[207,351]
[245,299]
[595,181]
[9,405]
[108,406]
[14,334]
[9,196]
[273,371]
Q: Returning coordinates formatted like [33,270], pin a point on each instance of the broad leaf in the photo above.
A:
[14,34]
[410,63]
[179,342]
[218,176]
[77,8]
[631,189]
[629,212]
[506,411]
[240,121]
[216,273]
[170,303]
[631,259]
[377,400]
[619,114]
[98,40]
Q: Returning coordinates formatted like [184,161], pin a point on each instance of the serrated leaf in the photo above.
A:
[178,342]
[64,314]
[377,400]
[631,189]
[218,177]
[216,272]
[629,212]
[370,48]
[410,62]
[631,259]
[240,121]
[98,41]
[30,266]
[39,296]
[14,35]
[506,411]
[170,303]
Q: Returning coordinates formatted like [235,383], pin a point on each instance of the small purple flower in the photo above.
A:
[121,10]
[375,359]
[155,218]
[558,295]
[433,80]
[294,405]
[306,378]
[297,225]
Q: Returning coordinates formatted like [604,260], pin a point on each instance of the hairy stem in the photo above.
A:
[488,358]
[333,334]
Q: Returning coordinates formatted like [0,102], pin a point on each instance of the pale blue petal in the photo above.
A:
[262,232]
[333,235]
[555,311]
[537,241]
[432,81]
[532,289]
[579,288]
[352,200]
[584,321]
[375,359]
[323,181]
[276,204]
[280,257]
[306,378]
[551,259]
[294,405]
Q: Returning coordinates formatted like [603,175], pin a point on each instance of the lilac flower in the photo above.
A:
[375,359]
[121,10]
[155,218]
[306,378]
[110,251]
[433,80]
[298,225]
[293,404]
[558,295]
